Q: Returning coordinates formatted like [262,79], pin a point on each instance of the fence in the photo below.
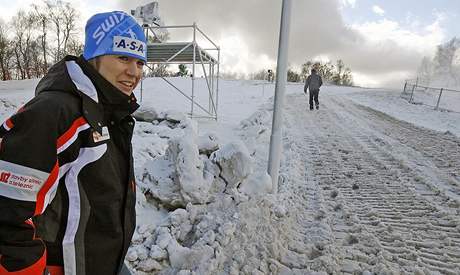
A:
[416,92]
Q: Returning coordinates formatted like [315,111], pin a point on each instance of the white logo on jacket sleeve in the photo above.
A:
[20,182]
[128,45]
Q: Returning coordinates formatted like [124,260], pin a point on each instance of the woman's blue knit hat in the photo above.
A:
[115,33]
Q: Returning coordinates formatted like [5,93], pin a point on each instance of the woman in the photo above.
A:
[67,190]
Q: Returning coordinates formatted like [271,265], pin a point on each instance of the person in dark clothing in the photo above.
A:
[270,76]
[313,83]
[67,190]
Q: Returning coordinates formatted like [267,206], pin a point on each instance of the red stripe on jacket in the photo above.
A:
[40,203]
[9,123]
[71,131]
[36,268]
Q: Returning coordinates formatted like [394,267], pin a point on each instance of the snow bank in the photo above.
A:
[7,108]
[146,113]
[201,186]
[235,162]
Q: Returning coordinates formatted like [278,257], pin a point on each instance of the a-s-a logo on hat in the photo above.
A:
[128,45]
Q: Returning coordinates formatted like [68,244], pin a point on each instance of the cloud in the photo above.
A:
[348,3]
[248,31]
[8,11]
[378,10]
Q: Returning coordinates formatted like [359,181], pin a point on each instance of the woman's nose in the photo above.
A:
[132,69]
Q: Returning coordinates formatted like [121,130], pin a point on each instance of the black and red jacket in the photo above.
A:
[67,191]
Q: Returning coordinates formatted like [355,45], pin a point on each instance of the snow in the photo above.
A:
[389,102]
[369,184]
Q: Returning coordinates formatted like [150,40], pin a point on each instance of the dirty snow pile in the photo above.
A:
[201,187]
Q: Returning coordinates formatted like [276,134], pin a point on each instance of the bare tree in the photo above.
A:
[444,68]
[338,74]
[305,71]
[159,70]
[5,52]
[229,75]
[42,21]
[325,70]
[70,16]
[74,47]
[347,77]
[45,34]
[63,18]
[36,67]
[259,75]
[293,76]
[342,74]
[22,38]
[26,48]
[425,71]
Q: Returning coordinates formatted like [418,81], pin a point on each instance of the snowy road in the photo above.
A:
[368,192]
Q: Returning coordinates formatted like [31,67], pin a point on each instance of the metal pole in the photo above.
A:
[189,98]
[172,27]
[217,84]
[404,90]
[439,99]
[142,81]
[205,36]
[179,52]
[146,30]
[207,80]
[193,68]
[280,87]
[412,94]
[211,76]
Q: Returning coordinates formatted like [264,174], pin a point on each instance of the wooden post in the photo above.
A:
[439,99]
[412,94]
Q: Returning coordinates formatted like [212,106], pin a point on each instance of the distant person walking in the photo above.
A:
[313,83]
[270,76]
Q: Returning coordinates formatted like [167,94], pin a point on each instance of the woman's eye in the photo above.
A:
[140,63]
[124,58]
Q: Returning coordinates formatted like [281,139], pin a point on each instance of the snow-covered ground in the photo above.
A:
[369,184]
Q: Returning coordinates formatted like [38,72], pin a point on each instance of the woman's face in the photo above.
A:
[123,72]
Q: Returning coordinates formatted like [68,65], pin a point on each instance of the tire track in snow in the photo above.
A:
[381,196]
[416,149]
[440,221]
[442,151]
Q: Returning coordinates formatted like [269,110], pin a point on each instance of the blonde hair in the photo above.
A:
[95,62]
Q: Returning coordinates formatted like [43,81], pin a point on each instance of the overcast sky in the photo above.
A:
[381,41]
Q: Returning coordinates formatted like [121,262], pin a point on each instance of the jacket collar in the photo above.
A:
[75,75]
[116,104]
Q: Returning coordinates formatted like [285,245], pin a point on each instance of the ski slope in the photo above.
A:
[369,193]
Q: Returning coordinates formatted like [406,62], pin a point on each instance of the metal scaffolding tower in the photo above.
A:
[192,54]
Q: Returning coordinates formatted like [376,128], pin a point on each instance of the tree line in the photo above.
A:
[33,40]
[338,74]
[444,67]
